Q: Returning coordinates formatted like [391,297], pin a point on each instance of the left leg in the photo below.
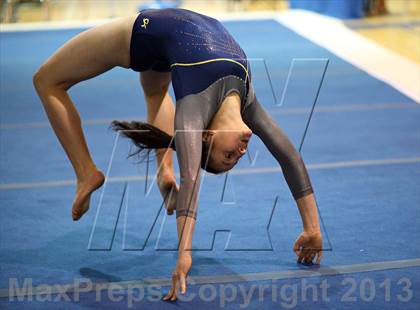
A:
[87,55]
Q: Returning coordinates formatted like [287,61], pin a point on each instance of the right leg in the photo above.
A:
[85,56]
[161,114]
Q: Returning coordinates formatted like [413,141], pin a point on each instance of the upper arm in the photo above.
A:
[279,145]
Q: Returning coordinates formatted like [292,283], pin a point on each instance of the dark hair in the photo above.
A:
[147,137]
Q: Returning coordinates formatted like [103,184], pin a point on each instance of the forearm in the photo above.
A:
[185,225]
[309,213]
[280,146]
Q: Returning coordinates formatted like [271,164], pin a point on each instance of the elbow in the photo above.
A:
[188,180]
[189,177]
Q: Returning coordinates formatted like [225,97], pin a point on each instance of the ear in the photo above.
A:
[208,134]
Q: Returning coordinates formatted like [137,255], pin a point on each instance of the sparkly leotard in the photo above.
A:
[197,49]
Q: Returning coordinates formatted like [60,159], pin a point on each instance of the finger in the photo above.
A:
[318,259]
[309,257]
[298,244]
[300,258]
[175,295]
[312,257]
[183,283]
[296,247]
[304,256]
[169,295]
[297,250]
[174,283]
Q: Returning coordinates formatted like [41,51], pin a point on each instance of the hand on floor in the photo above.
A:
[179,277]
[307,247]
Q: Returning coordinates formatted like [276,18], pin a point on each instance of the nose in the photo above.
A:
[247,135]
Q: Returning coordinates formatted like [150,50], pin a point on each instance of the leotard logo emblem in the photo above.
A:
[145,23]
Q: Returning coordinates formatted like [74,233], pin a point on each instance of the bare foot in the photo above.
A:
[169,190]
[84,190]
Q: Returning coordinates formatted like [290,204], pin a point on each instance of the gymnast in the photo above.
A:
[215,115]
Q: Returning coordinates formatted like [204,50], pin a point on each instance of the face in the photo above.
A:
[227,148]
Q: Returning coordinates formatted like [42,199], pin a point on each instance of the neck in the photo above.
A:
[229,114]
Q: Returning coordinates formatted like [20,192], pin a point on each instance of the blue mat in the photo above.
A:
[369,201]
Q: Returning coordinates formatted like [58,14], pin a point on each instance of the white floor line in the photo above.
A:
[332,34]
[241,171]
[322,271]
[273,111]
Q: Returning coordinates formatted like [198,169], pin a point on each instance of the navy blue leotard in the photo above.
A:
[197,49]
[206,65]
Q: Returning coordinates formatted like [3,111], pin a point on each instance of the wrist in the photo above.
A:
[311,227]
[312,230]
[184,254]
[309,214]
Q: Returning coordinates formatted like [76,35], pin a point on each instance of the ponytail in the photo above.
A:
[144,136]
[147,137]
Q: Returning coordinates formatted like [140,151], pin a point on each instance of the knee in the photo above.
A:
[39,79]
[43,80]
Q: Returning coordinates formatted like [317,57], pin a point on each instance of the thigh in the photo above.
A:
[160,108]
[90,53]
[154,83]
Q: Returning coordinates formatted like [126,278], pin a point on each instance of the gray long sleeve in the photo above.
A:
[279,145]
[188,142]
